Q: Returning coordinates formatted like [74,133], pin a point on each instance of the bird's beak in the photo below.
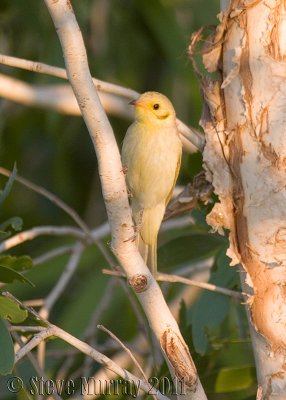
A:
[133,102]
[138,103]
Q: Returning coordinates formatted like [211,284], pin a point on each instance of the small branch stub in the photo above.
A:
[139,283]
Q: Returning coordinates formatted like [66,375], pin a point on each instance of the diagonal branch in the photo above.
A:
[161,320]
[52,330]
[55,331]
[121,344]
[39,231]
[180,279]
[106,88]
[50,196]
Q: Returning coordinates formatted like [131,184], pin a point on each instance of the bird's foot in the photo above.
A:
[135,235]
[137,228]
[124,169]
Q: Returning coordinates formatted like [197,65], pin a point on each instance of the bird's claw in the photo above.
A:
[137,228]
[124,170]
[133,237]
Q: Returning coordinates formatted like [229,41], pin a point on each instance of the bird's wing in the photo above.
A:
[175,178]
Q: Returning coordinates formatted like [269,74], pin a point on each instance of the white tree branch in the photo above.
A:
[57,97]
[62,282]
[126,349]
[39,231]
[58,72]
[114,190]
[180,279]
[114,98]
[53,330]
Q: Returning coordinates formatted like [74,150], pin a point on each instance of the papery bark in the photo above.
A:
[245,159]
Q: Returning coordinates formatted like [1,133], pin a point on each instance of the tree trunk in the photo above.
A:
[245,158]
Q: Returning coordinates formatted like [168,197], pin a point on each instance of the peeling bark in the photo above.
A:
[179,358]
[245,159]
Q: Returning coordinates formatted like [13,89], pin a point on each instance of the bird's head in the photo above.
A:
[153,107]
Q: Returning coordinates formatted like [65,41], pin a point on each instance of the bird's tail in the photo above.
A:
[147,239]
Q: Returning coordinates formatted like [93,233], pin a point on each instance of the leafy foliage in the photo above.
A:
[11,310]
[21,263]
[212,308]
[16,223]
[193,247]
[10,267]
[6,349]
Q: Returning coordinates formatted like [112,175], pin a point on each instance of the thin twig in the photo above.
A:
[60,98]
[89,334]
[203,285]
[35,364]
[53,330]
[40,231]
[23,328]
[131,355]
[34,302]
[126,349]
[49,255]
[133,358]
[179,279]
[58,72]
[62,282]
[50,196]
[56,292]
[62,205]
[94,235]
[21,304]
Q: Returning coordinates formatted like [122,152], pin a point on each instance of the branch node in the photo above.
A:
[139,283]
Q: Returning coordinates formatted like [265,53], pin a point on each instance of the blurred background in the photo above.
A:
[142,45]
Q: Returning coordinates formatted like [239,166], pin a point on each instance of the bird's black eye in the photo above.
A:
[156,106]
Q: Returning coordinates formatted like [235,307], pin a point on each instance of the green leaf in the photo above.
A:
[188,248]
[212,308]
[11,311]
[6,350]
[8,275]
[21,263]
[222,274]
[4,235]
[16,224]
[24,394]
[7,189]
[235,379]
[209,311]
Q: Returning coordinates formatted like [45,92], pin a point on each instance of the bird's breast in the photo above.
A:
[152,158]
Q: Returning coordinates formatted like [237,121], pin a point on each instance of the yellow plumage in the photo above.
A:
[151,154]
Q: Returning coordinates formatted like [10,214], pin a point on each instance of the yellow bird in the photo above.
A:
[151,156]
